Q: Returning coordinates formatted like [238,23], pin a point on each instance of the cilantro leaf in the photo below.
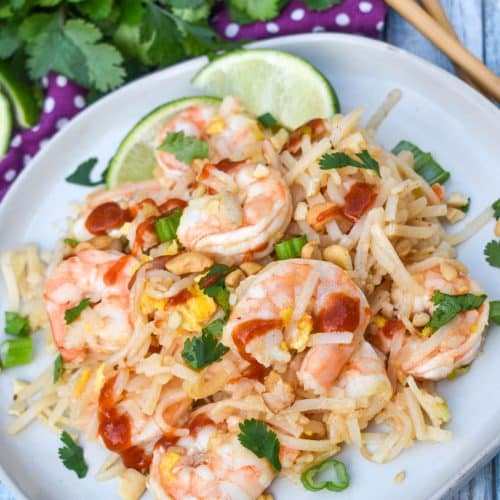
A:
[73,313]
[191,11]
[9,40]
[340,160]
[260,440]
[492,253]
[449,306]
[16,325]
[267,120]
[319,5]
[81,175]
[159,33]
[103,61]
[214,277]
[496,207]
[72,456]
[214,328]
[95,9]
[199,352]
[494,311]
[58,368]
[184,147]
[71,48]
[248,11]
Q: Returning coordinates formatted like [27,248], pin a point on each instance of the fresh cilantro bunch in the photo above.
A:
[103,43]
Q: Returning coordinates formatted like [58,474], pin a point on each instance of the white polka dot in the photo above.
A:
[61,81]
[365,7]
[272,28]
[45,82]
[297,14]
[380,26]
[79,101]
[16,141]
[61,123]
[43,143]
[26,159]
[343,19]
[318,29]
[49,105]
[10,175]
[36,128]
[231,30]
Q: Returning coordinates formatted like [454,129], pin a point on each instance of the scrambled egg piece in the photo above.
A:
[286,315]
[167,463]
[99,378]
[304,328]
[149,305]
[197,310]
[216,125]
[82,382]
[172,249]
[379,321]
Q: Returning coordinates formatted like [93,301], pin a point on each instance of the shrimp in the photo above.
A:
[364,381]
[248,213]
[102,278]
[213,466]
[124,425]
[228,131]
[451,346]
[279,309]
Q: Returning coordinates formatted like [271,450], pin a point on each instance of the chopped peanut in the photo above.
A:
[421,319]
[311,250]
[250,268]
[234,278]
[337,254]
[454,215]
[260,171]
[300,211]
[448,271]
[188,262]
[497,229]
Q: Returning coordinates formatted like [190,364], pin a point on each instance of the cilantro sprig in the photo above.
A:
[213,285]
[72,457]
[202,351]
[259,439]
[496,209]
[340,160]
[82,173]
[449,306]
[495,311]
[184,147]
[492,253]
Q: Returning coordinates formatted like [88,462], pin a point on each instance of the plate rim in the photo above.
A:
[389,50]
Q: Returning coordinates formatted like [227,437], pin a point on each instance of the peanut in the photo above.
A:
[311,250]
[188,262]
[337,254]
[250,268]
[234,278]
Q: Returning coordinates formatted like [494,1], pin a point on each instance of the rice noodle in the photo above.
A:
[471,228]
[320,445]
[392,98]
[330,338]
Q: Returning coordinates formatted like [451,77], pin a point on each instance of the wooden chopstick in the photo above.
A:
[435,9]
[448,44]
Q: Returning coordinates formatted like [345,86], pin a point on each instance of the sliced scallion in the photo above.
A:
[16,325]
[73,313]
[290,249]
[308,477]
[166,227]
[15,352]
[424,164]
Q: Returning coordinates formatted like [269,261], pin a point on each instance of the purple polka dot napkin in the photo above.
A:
[64,98]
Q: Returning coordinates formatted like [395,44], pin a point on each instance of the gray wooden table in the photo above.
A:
[477,23]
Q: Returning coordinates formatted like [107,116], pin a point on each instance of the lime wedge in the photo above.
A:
[22,94]
[5,125]
[270,81]
[134,159]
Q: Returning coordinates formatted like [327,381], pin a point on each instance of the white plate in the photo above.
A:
[437,112]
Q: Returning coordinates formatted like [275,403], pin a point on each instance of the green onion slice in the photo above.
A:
[289,249]
[16,325]
[15,352]
[424,164]
[73,313]
[166,227]
[343,480]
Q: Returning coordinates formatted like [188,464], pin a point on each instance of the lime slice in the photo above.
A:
[134,159]
[5,125]
[22,94]
[270,81]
